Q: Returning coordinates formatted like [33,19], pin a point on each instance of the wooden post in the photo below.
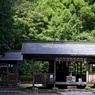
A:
[81,68]
[33,72]
[17,72]
[67,64]
[92,69]
[54,73]
[67,67]
[7,72]
[77,68]
[87,77]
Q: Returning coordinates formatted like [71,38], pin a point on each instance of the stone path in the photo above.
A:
[28,85]
[77,93]
[62,93]
[11,92]
[27,94]
[20,92]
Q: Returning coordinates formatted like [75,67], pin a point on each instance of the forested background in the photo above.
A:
[45,20]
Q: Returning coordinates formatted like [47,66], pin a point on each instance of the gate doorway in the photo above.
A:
[61,71]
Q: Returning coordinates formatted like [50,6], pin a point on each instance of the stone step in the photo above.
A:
[71,87]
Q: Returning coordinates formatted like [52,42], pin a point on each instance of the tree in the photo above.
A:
[6,23]
[45,20]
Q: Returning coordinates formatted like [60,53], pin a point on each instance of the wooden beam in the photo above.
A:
[70,59]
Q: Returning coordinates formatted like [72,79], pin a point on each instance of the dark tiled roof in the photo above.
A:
[12,56]
[59,48]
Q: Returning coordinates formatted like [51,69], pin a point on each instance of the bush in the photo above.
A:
[25,78]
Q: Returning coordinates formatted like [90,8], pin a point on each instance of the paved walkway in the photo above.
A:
[77,93]
[61,93]
[28,85]
[21,92]
[10,92]
[27,93]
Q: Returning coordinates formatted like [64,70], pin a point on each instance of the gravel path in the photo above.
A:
[24,93]
[77,93]
[62,93]
[21,92]
[18,92]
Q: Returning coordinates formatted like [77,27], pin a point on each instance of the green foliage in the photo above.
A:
[53,20]
[41,66]
[25,78]
[6,25]
[26,67]
[84,37]
[44,20]
[87,16]
[72,66]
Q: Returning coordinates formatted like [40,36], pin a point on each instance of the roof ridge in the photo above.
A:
[55,41]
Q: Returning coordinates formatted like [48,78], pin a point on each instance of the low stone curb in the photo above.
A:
[57,91]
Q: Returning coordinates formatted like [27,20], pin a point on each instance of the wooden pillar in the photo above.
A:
[91,68]
[66,64]
[51,66]
[54,73]
[81,68]
[74,68]
[67,67]
[87,72]
[77,68]
[7,72]
[33,68]
[17,72]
